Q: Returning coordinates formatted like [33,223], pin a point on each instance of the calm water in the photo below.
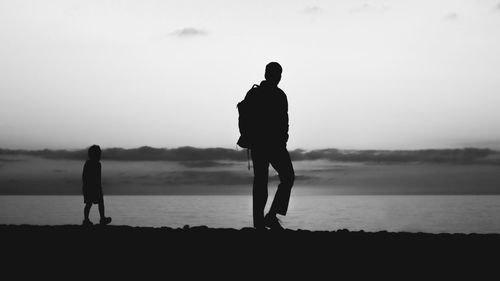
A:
[435,214]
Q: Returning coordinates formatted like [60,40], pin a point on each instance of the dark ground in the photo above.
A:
[74,252]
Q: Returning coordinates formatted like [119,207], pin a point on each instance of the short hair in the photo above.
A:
[273,69]
[93,151]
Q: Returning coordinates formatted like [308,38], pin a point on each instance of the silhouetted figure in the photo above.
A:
[92,189]
[264,127]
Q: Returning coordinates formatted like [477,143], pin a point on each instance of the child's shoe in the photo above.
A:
[87,222]
[105,220]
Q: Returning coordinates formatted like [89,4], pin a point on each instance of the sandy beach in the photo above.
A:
[120,250]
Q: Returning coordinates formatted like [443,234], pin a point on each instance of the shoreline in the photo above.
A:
[50,232]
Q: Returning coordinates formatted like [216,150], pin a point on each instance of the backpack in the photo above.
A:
[245,122]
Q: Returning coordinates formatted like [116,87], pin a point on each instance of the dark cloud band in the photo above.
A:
[193,157]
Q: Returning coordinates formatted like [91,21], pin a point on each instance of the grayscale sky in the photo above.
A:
[358,74]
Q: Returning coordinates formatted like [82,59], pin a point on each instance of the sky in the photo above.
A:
[358,74]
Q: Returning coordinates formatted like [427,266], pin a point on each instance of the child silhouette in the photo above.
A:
[92,189]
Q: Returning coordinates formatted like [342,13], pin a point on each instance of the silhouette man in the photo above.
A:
[92,189]
[269,137]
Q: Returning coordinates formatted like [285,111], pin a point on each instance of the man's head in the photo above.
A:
[273,72]
[94,152]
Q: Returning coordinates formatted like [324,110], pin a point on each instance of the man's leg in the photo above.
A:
[101,210]
[261,173]
[281,162]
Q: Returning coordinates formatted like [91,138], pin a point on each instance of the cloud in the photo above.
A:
[6,160]
[497,7]
[209,157]
[312,10]
[207,178]
[188,32]
[457,156]
[451,17]
[204,164]
[217,178]
[144,153]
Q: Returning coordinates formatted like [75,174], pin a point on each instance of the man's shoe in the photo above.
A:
[105,220]
[260,228]
[273,222]
[259,223]
[87,223]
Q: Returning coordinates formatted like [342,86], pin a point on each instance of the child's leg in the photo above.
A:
[101,210]
[86,210]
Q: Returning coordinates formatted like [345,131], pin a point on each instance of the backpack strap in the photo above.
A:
[248,158]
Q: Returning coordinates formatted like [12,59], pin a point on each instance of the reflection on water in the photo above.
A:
[452,214]
[38,176]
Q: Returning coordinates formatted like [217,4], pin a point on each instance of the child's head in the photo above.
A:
[94,152]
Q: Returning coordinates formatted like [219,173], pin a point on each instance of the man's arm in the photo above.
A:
[285,119]
[99,175]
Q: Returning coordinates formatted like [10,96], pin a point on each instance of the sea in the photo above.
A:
[395,213]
